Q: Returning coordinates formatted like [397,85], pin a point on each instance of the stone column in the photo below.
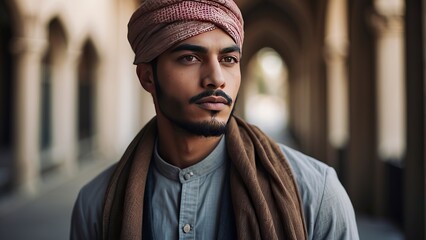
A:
[336,41]
[65,95]
[388,23]
[28,51]
[415,161]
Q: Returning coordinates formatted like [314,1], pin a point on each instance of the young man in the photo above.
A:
[195,171]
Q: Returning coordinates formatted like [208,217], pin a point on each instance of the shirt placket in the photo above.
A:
[188,205]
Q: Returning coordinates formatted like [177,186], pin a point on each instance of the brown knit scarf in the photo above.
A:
[264,194]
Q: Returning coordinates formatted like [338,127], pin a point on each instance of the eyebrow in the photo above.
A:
[190,47]
[231,49]
[200,49]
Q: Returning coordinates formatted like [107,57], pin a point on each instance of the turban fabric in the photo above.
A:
[159,24]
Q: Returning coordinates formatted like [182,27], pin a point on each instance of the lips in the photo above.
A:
[212,99]
[213,103]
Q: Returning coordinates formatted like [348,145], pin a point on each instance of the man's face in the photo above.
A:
[197,81]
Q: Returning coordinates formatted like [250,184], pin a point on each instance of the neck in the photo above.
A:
[180,148]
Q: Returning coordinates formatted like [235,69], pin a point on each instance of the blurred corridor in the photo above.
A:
[47,215]
[341,80]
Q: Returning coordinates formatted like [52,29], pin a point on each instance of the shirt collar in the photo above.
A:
[214,160]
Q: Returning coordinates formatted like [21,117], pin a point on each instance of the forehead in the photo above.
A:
[216,39]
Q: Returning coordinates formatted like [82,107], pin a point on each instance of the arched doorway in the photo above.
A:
[6,98]
[291,34]
[266,100]
[52,67]
[87,75]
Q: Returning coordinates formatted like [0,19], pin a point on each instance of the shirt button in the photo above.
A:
[188,175]
[186,228]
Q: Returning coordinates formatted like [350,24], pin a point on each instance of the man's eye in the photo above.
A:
[188,58]
[230,59]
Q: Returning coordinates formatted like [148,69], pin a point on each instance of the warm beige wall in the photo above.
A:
[121,106]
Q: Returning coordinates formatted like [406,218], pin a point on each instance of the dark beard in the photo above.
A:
[212,128]
[209,128]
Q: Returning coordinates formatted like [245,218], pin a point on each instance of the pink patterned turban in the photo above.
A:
[159,24]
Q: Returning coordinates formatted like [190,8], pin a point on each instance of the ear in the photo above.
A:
[146,76]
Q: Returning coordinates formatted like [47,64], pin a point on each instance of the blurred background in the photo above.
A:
[341,80]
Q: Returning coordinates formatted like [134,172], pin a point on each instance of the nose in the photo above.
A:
[213,77]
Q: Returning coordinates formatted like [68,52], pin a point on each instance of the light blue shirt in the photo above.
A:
[186,203]
[327,209]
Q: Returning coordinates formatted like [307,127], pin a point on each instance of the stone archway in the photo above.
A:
[86,120]
[266,99]
[53,66]
[289,28]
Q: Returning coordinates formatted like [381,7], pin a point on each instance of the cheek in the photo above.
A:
[234,84]
[173,95]
[177,81]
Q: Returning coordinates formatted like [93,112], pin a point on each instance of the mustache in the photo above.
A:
[208,93]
